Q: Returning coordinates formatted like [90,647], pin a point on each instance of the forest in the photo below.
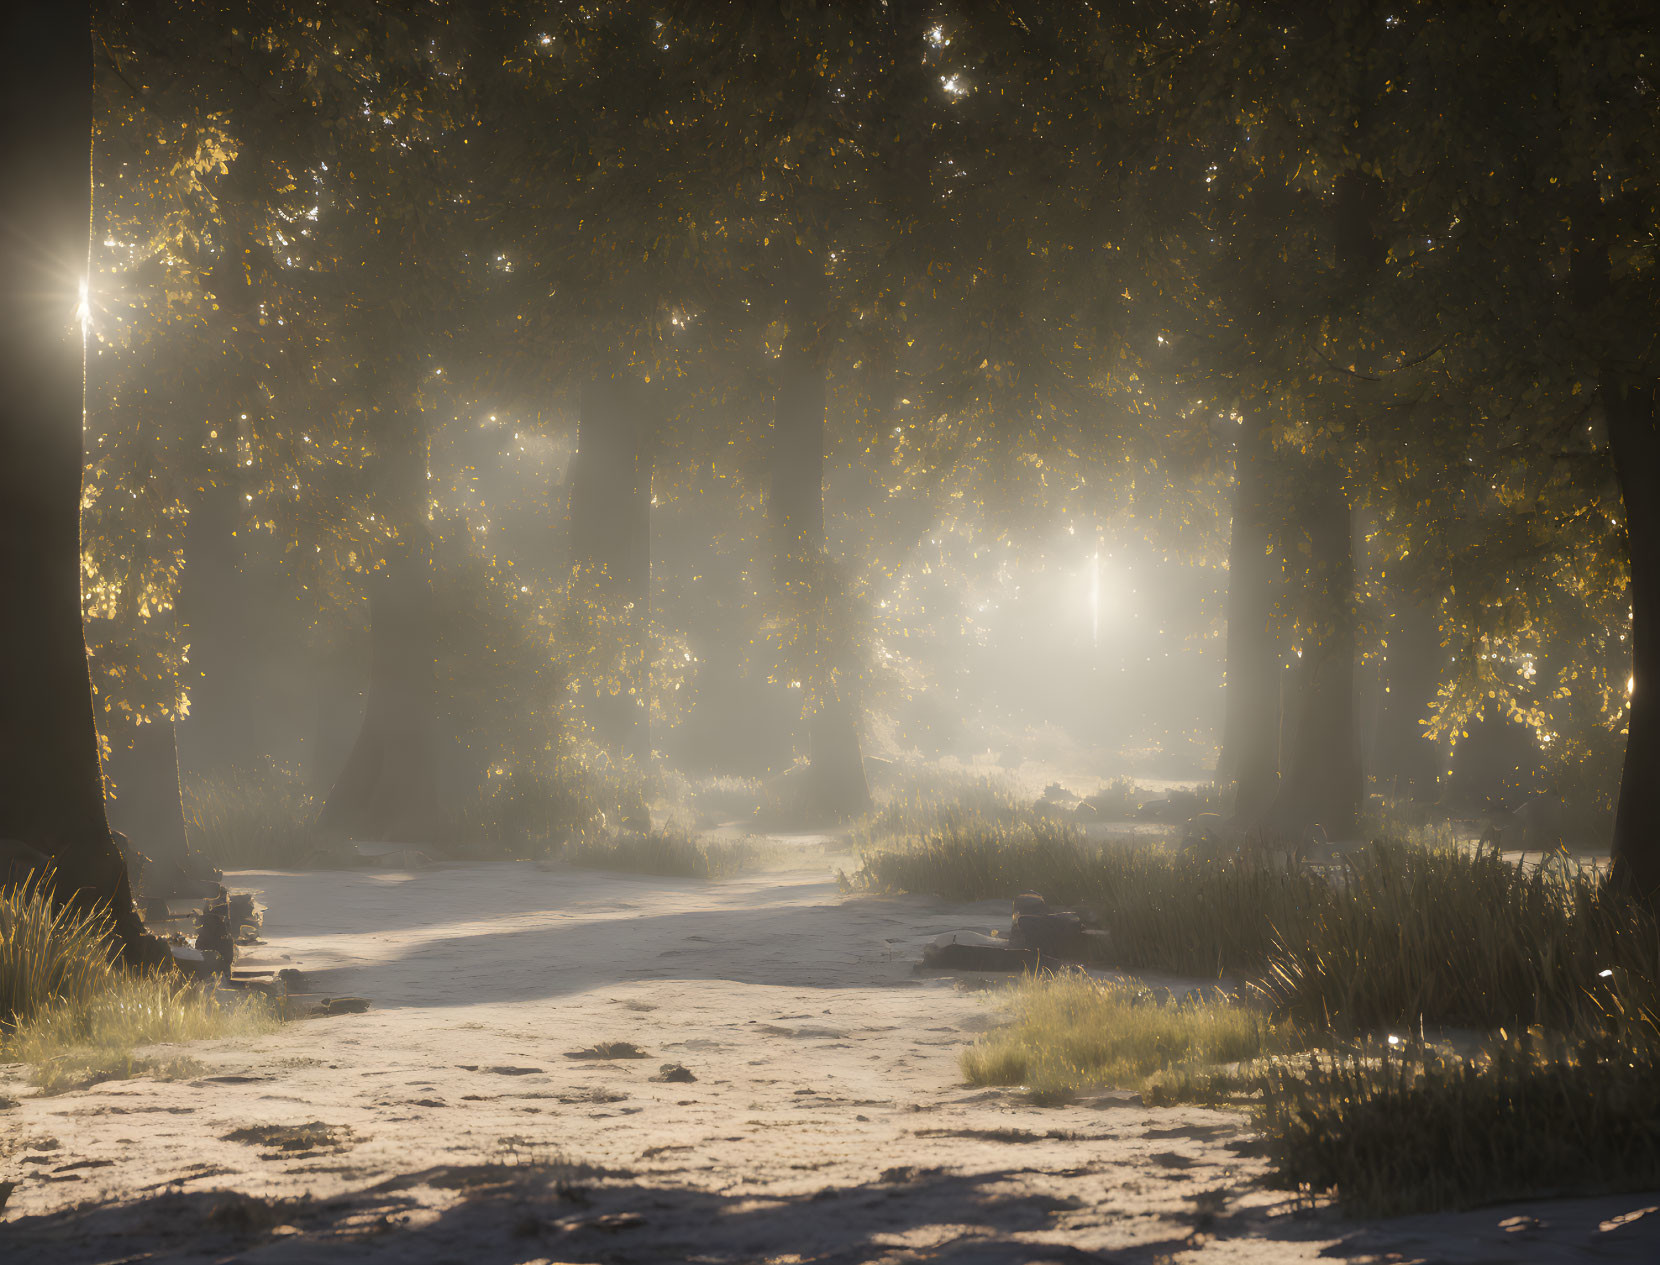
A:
[1049,610]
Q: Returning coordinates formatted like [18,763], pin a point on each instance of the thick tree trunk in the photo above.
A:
[610,515]
[1248,769]
[1323,782]
[1634,439]
[388,789]
[51,789]
[835,782]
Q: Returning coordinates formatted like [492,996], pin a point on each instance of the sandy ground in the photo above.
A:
[827,1121]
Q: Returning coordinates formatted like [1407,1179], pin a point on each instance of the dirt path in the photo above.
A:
[827,1121]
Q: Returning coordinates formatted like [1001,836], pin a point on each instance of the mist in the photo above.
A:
[828,633]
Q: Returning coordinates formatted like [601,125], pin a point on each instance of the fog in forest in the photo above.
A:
[829,632]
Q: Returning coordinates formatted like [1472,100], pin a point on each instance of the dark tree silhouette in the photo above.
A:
[51,793]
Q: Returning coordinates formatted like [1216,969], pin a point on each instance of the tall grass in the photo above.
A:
[670,852]
[1387,1125]
[240,818]
[68,1010]
[74,1042]
[1418,1129]
[1462,937]
[1163,910]
[1400,935]
[1414,938]
[1070,1033]
[48,953]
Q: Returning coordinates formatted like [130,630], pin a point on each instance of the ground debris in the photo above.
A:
[609,1050]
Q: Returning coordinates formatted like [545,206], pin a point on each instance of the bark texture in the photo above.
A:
[51,789]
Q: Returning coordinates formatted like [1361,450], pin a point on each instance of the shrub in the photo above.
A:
[1455,936]
[241,818]
[575,794]
[670,852]
[1416,1129]
[1400,936]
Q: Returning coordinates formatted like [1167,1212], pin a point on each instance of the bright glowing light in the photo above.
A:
[1630,684]
[83,305]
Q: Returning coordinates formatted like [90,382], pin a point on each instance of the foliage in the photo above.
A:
[667,851]
[68,1010]
[250,818]
[1454,936]
[1070,1032]
[1170,911]
[1417,1129]
[48,952]
[104,1034]
[574,793]
[1399,935]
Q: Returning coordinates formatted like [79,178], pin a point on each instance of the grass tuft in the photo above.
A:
[75,1042]
[1417,1129]
[74,1016]
[48,953]
[1071,1033]
[668,851]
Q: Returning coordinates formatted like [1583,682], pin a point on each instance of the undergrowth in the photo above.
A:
[76,1018]
[1070,1033]
[669,852]
[48,952]
[1399,935]
[1418,1129]
[241,818]
[1410,938]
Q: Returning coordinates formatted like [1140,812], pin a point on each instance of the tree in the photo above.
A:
[51,790]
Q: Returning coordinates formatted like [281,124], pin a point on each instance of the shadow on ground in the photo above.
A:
[537,1212]
[509,1214]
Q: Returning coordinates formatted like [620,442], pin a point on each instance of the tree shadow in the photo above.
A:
[558,940]
[516,1213]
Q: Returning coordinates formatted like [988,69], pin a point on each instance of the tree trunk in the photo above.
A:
[51,789]
[217,610]
[388,789]
[146,803]
[1323,782]
[1249,763]
[835,782]
[611,555]
[1634,441]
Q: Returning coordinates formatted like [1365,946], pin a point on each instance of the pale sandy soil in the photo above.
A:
[827,1122]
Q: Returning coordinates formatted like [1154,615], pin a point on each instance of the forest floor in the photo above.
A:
[828,1121]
